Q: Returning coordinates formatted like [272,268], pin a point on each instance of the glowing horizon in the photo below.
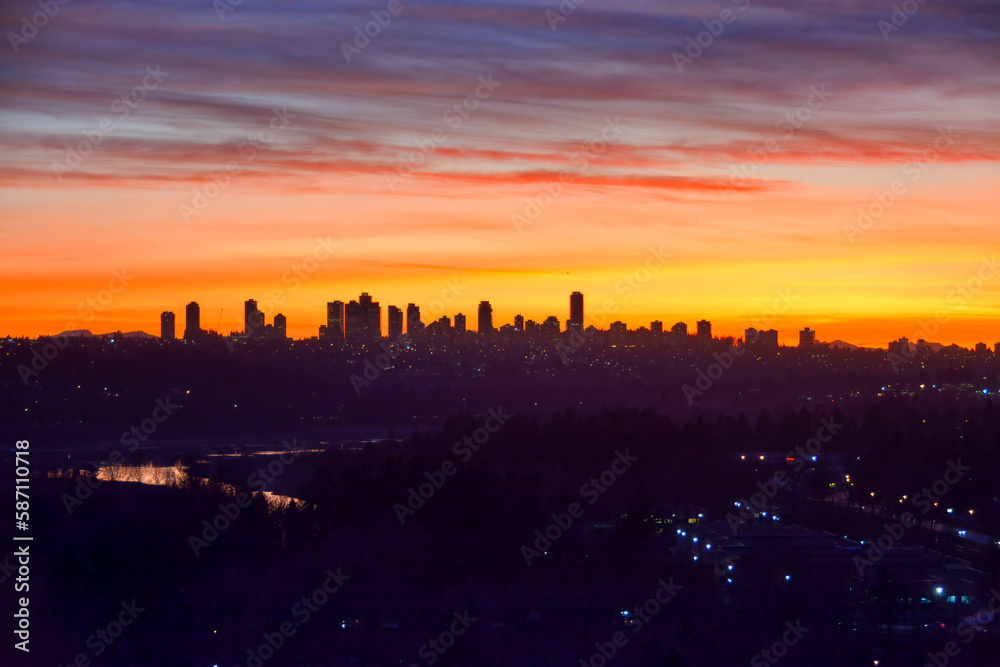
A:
[802,150]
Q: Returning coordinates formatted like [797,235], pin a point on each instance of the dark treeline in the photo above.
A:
[462,547]
[94,390]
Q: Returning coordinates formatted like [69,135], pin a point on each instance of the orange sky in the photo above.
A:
[648,157]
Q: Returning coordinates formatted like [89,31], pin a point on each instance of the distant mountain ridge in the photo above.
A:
[86,333]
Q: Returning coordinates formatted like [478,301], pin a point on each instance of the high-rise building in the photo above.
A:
[982,348]
[704,330]
[519,322]
[395,323]
[372,314]
[280,326]
[550,327]
[167,329]
[335,319]
[460,323]
[192,321]
[656,327]
[363,320]
[354,321]
[617,332]
[485,317]
[679,330]
[807,337]
[575,311]
[413,323]
[250,320]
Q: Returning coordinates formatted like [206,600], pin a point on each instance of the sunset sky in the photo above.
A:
[561,153]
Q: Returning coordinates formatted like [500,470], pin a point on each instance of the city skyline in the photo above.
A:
[804,148]
[397,322]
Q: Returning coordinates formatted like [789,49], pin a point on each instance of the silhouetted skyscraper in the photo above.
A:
[575,311]
[679,330]
[395,323]
[519,322]
[167,329]
[363,320]
[807,337]
[372,314]
[485,317]
[353,321]
[413,323]
[335,319]
[192,323]
[460,323]
[704,330]
[251,322]
[617,332]
[280,326]
[656,327]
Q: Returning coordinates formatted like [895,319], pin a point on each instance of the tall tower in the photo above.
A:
[575,311]
[371,313]
[460,323]
[704,330]
[167,329]
[413,323]
[280,327]
[807,337]
[335,319]
[485,317]
[250,318]
[192,324]
[354,322]
[395,323]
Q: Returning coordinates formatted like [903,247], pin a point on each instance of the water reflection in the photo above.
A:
[160,475]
